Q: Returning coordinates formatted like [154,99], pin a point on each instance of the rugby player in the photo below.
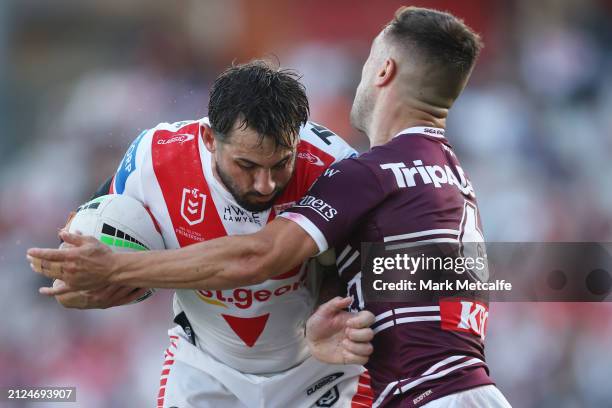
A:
[230,174]
[399,191]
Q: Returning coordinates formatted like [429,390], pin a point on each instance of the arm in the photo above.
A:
[308,228]
[222,263]
[217,264]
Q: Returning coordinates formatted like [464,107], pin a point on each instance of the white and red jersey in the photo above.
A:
[254,329]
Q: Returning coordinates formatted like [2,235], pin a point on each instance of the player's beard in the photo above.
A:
[243,198]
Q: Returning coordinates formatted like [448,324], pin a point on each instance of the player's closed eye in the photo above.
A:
[281,165]
[246,165]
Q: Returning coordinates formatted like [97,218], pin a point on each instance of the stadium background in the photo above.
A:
[79,80]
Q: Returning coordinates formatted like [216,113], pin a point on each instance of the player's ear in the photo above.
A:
[386,72]
[208,137]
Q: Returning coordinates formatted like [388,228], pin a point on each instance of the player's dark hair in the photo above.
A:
[441,37]
[269,100]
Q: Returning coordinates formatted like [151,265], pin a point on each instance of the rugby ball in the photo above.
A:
[121,222]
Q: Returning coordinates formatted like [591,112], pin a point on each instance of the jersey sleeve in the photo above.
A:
[128,177]
[336,202]
[327,141]
[318,149]
[103,189]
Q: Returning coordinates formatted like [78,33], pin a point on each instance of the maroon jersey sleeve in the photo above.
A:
[337,201]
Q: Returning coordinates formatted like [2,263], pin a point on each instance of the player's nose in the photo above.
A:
[264,184]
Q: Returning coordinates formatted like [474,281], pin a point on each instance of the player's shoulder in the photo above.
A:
[176,133]
[166,133]
[317,140]
[140,150]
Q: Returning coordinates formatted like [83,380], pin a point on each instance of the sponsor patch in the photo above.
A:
[311,158]
[127,165]
[326,211]
[464,315]
[180,138]
[323,382]
[329,398]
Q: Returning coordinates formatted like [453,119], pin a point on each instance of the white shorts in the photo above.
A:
[486,396]
[192,378]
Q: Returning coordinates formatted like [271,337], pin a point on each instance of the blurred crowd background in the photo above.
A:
[79,80]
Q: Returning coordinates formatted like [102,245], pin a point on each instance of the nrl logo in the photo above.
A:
[192,206]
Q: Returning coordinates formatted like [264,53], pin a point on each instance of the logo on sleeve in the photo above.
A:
[311,158]
[326,211]
[329,173]
[322,132]
[127,165]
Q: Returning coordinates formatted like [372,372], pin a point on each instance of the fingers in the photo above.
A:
[351,358]
[335,305]
[69,219]
[358,349]
[359,335]
[133,296]
[55,255]
[59,288]
[75,239]
[46,268]
[342,303]
[65,245]
[117,293]
[362,319]
[113,295]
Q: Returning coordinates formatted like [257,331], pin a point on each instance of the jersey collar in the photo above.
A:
[437,133]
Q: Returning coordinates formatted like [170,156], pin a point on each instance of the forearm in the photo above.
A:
[217,264]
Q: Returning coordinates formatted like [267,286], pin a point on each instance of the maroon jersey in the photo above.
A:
[410,191]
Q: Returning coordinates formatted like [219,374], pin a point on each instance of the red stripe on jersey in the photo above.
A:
[364,396]
[155,223]
[178,168]
[164,378]
[111,189]
[310,163]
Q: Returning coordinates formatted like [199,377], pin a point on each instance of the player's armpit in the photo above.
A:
[330,283]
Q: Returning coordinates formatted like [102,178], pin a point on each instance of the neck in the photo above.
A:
[391,117]
[213,164]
